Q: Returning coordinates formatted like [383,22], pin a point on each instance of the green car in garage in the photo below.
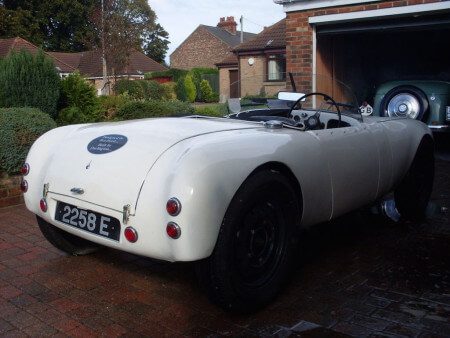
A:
[427,101]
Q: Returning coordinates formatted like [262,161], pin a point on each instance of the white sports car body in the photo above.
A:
[161,188]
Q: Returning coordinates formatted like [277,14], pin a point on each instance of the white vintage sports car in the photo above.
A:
[231,193]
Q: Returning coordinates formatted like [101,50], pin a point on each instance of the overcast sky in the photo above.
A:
[180,17]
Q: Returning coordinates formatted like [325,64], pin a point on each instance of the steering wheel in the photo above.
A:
[313,122]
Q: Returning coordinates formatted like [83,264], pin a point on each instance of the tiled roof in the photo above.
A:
[230,60]
[230,39]
[272,37]
[18,44]
[89,63]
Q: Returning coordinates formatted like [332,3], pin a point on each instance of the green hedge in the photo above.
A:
[28,80]
[19,128]
[153,108]
[174,73]
[139,89]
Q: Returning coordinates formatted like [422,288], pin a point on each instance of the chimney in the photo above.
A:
[228,24]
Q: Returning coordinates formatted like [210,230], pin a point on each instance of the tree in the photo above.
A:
[57,25]
[156,44]
[128,25]
[29,81]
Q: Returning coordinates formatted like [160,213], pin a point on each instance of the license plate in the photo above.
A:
[87,220]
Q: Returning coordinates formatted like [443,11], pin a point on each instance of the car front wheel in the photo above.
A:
[254,250]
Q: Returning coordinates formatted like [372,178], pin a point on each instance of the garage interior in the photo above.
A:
[365,54]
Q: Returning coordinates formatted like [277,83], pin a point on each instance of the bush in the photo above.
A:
[29,81]
[197,77]
[78,101]
[110,104]
[19,128]
[218,110]
[154,90]
[131,87]
[169,89]
[191,92]
[152,108]
[180,89]
[206,91]
[174,73]
[139,89]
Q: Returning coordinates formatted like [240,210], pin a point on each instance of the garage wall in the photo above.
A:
[299,39]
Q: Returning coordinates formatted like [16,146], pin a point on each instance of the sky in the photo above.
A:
[180,17]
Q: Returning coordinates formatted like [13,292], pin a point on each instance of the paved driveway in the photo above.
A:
[360,275]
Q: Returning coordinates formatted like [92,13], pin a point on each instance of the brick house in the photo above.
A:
[257,66]
[208,45]
[88,63]
[367,42]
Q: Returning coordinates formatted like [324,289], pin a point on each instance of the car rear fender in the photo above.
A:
[205,173]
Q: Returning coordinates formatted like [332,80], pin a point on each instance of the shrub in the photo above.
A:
[197,77]
[180,89]
[29,81]
[19,128]
[110,104]
[174,73]
[191,92]
[218,110]
[131,87]
[78,101]
[154,90]
[152,108]
[206,91]
[168,89]
[139,89]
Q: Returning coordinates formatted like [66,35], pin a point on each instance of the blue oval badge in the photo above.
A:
[106,144]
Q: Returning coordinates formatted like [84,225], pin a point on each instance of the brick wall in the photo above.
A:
[10,193]
[253,78]
[299,34]
[200,49]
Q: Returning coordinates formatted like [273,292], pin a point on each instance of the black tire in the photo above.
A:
[414,91]
[413,193]
[256,244]
[64,241]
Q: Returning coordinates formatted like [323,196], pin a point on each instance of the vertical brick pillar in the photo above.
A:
[10,193]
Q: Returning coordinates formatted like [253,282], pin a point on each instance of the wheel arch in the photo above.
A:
[286,172]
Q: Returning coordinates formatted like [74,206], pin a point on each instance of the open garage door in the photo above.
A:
[368,53]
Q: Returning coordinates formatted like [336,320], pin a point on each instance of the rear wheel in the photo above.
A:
[413,193]
[255,246]
[64,241]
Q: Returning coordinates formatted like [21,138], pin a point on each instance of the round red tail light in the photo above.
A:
[43,205]
[25,169]
[131,234]
[173,206]
[173,230]
[24,186]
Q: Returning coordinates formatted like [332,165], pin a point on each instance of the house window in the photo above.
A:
[276,67]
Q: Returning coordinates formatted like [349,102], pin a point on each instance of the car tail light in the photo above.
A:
[24,186]
[173,206]
[131,234]
[173,230]
[43,205]
[25,169]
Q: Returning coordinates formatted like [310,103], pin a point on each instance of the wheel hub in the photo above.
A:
[404,105]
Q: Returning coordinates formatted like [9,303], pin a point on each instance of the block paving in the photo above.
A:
[360,275]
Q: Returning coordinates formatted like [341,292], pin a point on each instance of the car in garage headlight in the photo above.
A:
[427,101]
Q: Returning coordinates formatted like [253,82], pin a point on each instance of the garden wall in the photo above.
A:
[10,193]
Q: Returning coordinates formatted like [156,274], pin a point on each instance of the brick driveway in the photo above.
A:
[360,275]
